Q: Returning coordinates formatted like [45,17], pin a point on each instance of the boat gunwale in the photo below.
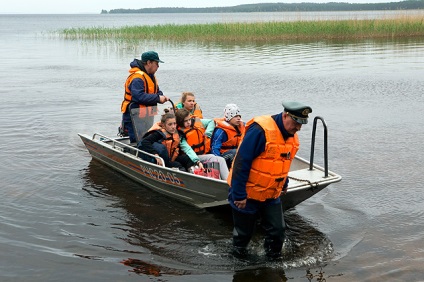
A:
[331,178]
[117,147]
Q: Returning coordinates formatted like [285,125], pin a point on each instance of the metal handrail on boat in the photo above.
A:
[137,151]
[311,161]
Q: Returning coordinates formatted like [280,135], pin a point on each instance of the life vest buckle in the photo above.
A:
[285,155]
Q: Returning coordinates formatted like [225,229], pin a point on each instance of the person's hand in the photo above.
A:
[163,99]
[200,165]
[240,204]
[284,191]
[159,160]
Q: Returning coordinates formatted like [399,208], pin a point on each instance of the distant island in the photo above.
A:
[281,7]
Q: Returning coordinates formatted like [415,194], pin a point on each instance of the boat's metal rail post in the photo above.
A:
[128,147]
[314,129]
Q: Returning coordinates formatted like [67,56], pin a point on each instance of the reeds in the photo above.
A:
[402,26]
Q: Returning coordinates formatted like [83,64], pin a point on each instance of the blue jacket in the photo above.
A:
[252,146]
[219,137]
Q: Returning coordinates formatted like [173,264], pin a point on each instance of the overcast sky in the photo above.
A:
[95,6]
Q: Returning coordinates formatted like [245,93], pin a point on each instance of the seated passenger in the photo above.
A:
[188,102]
[163,140]
[197,133]
[227,134]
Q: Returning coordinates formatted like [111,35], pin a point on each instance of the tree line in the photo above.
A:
[282,7]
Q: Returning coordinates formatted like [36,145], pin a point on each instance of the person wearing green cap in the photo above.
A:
[259,177]
[141,90]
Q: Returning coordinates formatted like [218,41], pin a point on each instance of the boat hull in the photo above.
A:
[192,189]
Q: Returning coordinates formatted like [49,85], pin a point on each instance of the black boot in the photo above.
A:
[240,253]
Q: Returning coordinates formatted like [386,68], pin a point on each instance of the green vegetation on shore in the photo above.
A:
[402,26]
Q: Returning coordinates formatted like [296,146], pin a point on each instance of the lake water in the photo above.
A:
[66,217]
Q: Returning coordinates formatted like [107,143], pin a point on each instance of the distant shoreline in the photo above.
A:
[281,7]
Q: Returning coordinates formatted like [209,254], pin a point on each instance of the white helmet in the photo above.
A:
[230,111]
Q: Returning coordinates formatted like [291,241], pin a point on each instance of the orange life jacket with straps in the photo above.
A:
[171,141]
[150,87]
[195,136]
[270,169]
[234,134]
[197,111]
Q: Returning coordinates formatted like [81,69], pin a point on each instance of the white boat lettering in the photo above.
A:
[175,179]
[151,173]
[160,175]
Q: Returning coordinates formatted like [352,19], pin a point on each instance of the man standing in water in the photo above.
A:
[141,90]
[260,175]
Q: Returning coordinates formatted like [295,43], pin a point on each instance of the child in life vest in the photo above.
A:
[188,102]
[163,140]
[227,134]
[196,133]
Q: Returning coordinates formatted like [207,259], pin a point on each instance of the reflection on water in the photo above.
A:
[198,239]
[142,267]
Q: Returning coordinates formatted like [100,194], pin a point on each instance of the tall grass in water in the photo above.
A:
[402,26]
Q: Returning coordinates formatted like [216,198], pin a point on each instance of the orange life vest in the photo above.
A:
[270,169]
[234,134]
[150,87]
[171,141]
[196,112]
[195,136]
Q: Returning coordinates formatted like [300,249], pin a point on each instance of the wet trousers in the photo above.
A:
[272,221]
